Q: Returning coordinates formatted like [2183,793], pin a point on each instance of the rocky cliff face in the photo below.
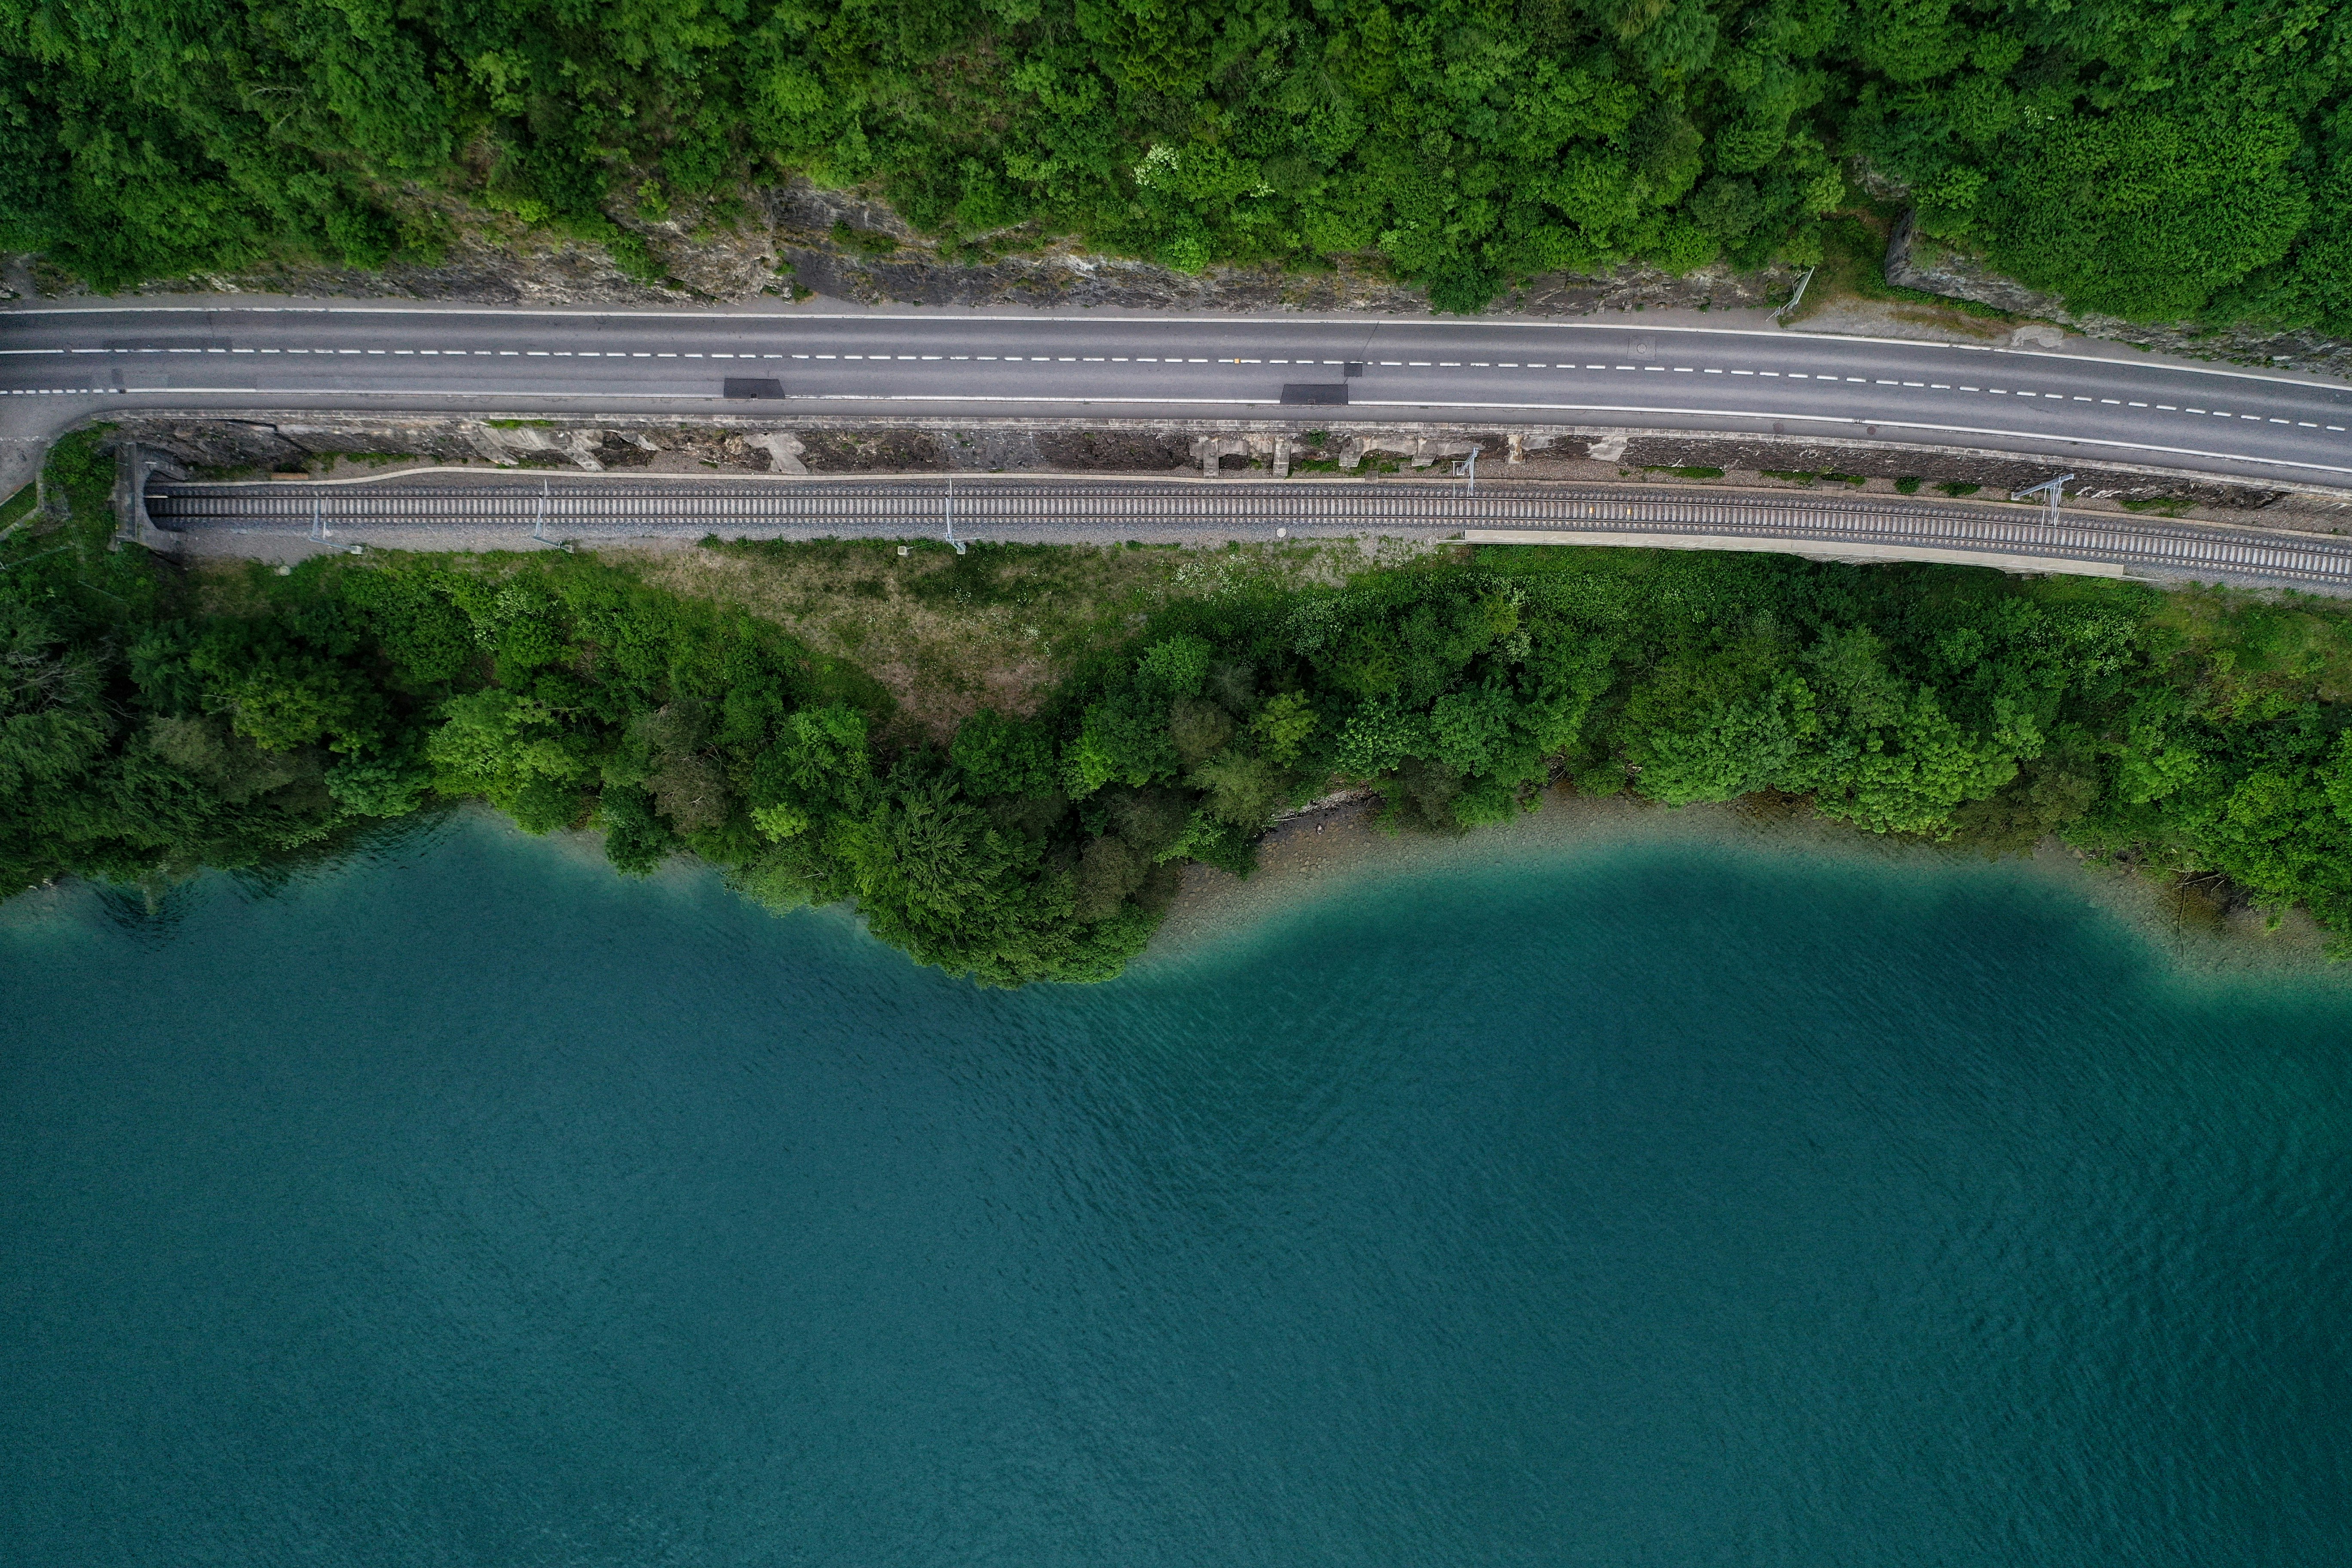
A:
[1914,260]
[849,246]
[885,262]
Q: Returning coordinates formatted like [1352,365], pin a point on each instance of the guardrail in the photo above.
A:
[588,508]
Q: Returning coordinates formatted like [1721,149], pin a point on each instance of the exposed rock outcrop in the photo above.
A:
[1914,260]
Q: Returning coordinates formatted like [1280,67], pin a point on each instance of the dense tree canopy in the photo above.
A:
[150,724]
[2151,159]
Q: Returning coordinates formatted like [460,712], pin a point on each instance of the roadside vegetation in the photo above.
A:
[154,722]
[2157,161]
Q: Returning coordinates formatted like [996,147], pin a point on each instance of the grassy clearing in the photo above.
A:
[997,627]
[2257,644]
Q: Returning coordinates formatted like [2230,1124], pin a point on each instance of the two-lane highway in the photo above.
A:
[57,365]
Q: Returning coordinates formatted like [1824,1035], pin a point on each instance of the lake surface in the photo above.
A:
[1627,1202]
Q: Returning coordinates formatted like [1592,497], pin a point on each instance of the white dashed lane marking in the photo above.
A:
[1148,359]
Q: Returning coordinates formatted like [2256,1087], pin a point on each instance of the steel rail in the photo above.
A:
[584,509]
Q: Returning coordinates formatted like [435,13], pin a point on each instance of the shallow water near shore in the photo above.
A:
[1612,1189]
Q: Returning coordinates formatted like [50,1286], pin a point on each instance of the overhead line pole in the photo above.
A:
[2053,490]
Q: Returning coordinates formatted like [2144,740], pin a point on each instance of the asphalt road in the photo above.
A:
[60,364]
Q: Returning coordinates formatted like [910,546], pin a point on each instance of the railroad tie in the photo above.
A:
[885,502]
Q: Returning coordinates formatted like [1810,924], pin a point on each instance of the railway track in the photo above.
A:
[583,510]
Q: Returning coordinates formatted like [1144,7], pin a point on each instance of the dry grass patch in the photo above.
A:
[999,626]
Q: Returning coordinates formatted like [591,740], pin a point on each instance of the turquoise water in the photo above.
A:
[1633,1203]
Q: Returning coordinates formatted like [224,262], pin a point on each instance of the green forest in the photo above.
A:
[2188,158]
[154,722]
